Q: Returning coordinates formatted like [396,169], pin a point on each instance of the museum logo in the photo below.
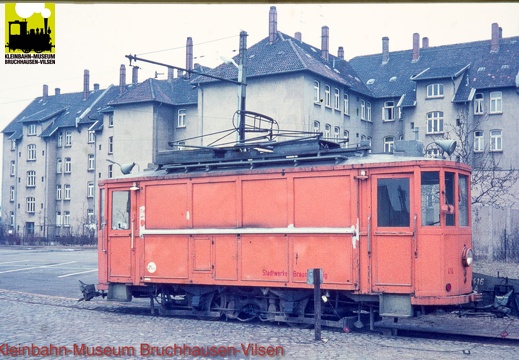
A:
[29,33]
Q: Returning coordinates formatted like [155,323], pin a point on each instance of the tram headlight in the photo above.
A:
[467,257]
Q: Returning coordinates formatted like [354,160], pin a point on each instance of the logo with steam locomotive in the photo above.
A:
[29,27]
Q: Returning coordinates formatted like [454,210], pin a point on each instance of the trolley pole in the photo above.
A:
[242,79]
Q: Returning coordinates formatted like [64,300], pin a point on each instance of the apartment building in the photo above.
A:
[468,90]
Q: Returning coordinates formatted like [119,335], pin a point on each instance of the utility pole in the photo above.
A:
[242,80]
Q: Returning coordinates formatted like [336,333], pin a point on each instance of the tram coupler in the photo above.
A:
[89,291]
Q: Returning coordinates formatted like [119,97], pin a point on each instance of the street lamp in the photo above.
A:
[125,168]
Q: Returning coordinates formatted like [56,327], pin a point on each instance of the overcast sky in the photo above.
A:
[97,36]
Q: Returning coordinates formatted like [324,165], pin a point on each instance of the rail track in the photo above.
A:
[476,329]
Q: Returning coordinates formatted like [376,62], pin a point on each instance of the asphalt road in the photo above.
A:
[47,271]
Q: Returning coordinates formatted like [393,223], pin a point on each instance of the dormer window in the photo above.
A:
[434,91]
[31,130]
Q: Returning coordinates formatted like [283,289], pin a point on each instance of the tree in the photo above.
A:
[492,184]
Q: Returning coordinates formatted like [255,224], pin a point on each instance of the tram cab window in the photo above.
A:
[449,198]
[431,198]
[463,200]
[120,210]
[393,202]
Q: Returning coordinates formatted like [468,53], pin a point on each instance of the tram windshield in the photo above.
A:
[438,201]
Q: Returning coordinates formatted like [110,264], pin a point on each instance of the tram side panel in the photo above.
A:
[270,209]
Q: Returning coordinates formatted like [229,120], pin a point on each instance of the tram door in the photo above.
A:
[392,233]
[120,236]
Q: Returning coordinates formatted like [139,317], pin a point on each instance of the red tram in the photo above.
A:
[232,232]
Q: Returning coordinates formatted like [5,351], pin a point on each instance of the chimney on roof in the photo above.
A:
[171,74]
[189,56]
[122,79]
[494,42]
[57,91]
[135,74]
[96,87]
[86,84]
[425,43]
[385,50]
[298,36]
[416,46]
[45,91]
[340,53]
[325,42]
[273,24]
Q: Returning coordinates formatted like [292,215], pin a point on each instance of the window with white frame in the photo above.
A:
[91,136]
[68,165]
[388,111]
[327,131]
[362,109]
[317,127]
[389,142]
[11,193]
[434,91]
[31,152]
[496,102]
[58,192]
[31,178]
[336,97]
[90,189]
[110,144]
[12,168]
[479,141]
[31,204]
[368,111]
[435,122]
[60,139]
[31,130]
[346,104]
[316,92]
[369,143]
[66,218]
[11,218]
[90,216]
[66,195]
[68,138]
[327,95]
[111,120]
[13,145]
[91,162]
[346,137]
[59,166]
[337,133]
[181,119]
[496,140]
[58,219]
[478,104]
[110,171]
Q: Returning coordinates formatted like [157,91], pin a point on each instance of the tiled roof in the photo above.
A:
[178,91]
[63,110]
[484,69]
[288,55]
